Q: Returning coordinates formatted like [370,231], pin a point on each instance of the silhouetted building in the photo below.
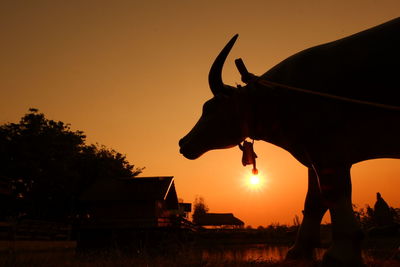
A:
[133,213]
[220,220]
[130,203]
[184,209]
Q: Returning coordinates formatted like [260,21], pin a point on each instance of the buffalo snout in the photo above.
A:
[186,150]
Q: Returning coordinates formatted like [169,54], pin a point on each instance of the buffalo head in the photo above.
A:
[223,123]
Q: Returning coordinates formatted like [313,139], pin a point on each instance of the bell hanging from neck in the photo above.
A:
[249,156]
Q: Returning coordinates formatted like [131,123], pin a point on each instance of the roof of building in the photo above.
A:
[132,189]
[218,219]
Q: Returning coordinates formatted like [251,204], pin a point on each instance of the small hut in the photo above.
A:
[222,220]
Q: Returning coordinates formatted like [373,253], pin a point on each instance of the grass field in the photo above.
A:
[62,253]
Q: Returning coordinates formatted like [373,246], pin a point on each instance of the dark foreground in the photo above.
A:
[52,259]
[62,253]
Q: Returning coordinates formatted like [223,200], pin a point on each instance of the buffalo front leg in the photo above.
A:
[308,236]
[335,186]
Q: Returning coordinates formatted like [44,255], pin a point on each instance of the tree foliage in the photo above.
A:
[367,216]
[46,165]
[199,208]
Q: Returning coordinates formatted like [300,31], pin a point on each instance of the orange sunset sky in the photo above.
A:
[133,76]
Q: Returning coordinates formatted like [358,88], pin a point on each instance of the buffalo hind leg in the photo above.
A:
[308,236]
[335,186]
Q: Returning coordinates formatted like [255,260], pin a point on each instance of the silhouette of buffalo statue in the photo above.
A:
[330,106]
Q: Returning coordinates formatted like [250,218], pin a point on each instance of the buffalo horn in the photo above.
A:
[215,76]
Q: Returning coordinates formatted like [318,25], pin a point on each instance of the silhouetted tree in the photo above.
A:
[199,208]
[365,216]
[396,214]
[47,165]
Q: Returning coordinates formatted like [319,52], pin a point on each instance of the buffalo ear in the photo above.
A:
[215,75]
[247,77]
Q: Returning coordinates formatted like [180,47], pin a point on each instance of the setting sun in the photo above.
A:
[255,182]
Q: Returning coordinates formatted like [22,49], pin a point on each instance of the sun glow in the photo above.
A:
[255,182]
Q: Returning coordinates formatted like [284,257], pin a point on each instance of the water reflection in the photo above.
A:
[251,253]
[248,253]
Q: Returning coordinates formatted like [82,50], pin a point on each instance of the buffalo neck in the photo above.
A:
[265,115]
